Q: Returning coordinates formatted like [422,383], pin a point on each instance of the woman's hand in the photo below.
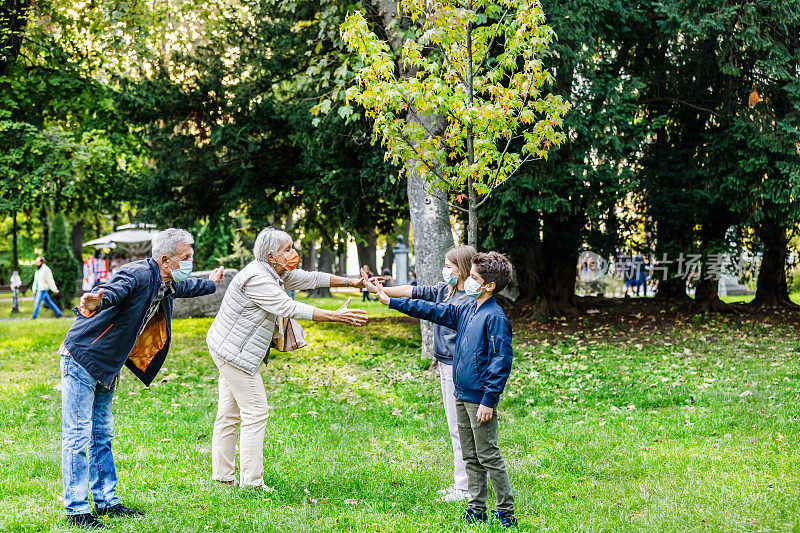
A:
[354,317]
[374,289]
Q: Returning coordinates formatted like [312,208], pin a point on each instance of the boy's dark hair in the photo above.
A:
[493,267]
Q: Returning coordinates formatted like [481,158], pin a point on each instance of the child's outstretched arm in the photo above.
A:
[375,284]
[442,314]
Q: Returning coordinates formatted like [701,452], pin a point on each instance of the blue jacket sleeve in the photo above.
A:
[116,290]
[194,287]
[442,314]
[428,293]
[500,358]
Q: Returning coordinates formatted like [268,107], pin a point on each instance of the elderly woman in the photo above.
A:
[251,314]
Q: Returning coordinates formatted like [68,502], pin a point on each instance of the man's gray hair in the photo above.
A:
[269,240]
[165,242]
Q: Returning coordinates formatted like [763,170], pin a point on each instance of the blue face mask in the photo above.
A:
[448,277]
[472,287]
[183,271]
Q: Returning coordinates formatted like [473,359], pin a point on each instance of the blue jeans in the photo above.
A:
[86,422]
[43,296]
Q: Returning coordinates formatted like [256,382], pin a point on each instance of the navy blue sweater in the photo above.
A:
[102,342]
[483,356]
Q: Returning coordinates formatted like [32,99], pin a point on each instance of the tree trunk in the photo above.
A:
[555,265]
[388,255]
[309,257]
[672,290]
[13,19]
[77,240]
[706,294]
[45,229]
[325,264]
[673,236]
[546,269]
[14,249]
[14,261]
[472,217]
[771,287]
[430,217]
[341,264]
[367,246]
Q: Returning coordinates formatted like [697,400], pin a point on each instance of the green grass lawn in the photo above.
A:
[604,429]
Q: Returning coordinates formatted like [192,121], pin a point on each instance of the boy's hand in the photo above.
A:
[372,284]
[377,280]
[374,289]
[484,414]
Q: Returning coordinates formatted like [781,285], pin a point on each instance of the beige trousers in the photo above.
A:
[242,401]
[459,466]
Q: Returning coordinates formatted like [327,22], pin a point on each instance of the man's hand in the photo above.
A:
[484,414]
[374,289]
[91,300]
[217,275]
[355,317]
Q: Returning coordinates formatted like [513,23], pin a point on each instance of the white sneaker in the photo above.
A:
[448,490]
[455,495]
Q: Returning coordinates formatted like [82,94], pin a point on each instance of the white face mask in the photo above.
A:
[448,276]
[472,287]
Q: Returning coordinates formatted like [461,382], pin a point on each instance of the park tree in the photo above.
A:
[62,146]
[722,156]
[235,133]
[62,262]
[570,200]
[478,69]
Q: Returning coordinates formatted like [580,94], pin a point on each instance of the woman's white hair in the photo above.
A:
[165,242]
[269,241]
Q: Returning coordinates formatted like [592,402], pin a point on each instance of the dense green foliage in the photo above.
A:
[478,69]
[62,262]
[230,129]
[685,121]
[681,138]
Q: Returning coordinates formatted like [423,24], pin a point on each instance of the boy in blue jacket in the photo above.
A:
[481,365]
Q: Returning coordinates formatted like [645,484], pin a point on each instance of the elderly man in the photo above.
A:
[126,322]
[42,282]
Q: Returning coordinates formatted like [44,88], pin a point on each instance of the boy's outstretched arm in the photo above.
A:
[442,314]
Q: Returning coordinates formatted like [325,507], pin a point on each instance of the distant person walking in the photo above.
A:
[42,283]
[364,292]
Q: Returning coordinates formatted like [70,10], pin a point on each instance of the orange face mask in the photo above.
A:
[292,258]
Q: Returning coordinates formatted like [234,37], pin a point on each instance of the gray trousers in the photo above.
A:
[482,456]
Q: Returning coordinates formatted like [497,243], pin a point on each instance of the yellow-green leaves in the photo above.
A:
[473,78]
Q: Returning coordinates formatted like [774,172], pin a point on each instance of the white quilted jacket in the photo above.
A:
[254,304]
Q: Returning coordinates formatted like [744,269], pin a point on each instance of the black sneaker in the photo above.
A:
[85,521]
[118,510]
[506,520]
[471,516]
